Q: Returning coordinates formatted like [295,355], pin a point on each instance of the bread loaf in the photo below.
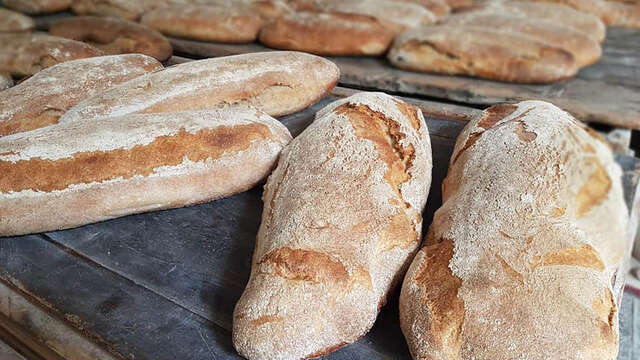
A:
[276,82]
[43,98]
[551,12]
[523,259]
[27,53]
[125,9]
[37,6]
[624,15]
[490,53]
[77,173]
[11,21]
[341,221]
[267,9]
[439,8]
[5,81]
[610,12]
[585,49]
[239,24]
[455,4]
[114,36]
[332,34]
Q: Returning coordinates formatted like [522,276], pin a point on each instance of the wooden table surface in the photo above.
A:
[163,285]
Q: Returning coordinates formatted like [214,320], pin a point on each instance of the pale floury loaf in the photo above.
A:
[524,258]
[277,83]
[76,173]
[43,98]
[341,221]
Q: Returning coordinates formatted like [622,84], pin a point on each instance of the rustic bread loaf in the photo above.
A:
[396,15]
[585,49]
[489,53]
[27,53]
[331,34]
[43,98]
[551,12]
[455,4]
[114,36]
[624,15]
[11,21]
[5,81]
[523,259]
[125,9]
[607,11]
[278,83]
[239,24]
[268,9]
[37,6]
[439,8]
[341,221]
[73,174]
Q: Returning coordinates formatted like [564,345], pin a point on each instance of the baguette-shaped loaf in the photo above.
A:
[523,259]
[334,34]
[43,98]
[5,81]
[27,53]
[77,173]
[238,24]
[585,49]
[114,36]
[11,21]
[459,49]
[278,83]
[341,221]
[37,6]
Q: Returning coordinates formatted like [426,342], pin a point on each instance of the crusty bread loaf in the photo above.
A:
[43,98]
[523,259]
[331,34]
[439,8]
[125,9]
[585,49]
[396,15]
[73,174]
[11,21]
[483,52]
[624,14]
[268,9]
[37,6]
[609,12]
[278,83]
[114,36]
[341,221]
[551,12]
[27,53]
[5,81]
[239,24]
[455,4]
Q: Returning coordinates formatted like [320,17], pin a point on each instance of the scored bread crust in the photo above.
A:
[94,170]
[341,220]
[459,49]
[585,49]
[114,36]
[334,34]
[237,24]
[277,82]
[11,21]
[27,53]
[523,260]
[37,6]
[43,98]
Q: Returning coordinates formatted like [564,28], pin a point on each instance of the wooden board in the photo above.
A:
[607,92]
[163,285]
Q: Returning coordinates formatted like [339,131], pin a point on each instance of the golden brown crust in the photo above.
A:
[114,36]
[37,6]
[11,21]
[332,34]
[207,23]
[27,53]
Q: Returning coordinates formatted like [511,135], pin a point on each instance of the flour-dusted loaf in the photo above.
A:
[277,82]
[523,259]
[459,49]
[77,173]
[27,53]
[328,34]
[114,36]
[237,24]
[549,12]
[5,81]
[341,221]
[43,98]
[125,9]
[11,21]
[585,49]
[37,6]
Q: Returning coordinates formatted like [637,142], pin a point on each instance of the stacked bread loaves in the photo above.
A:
[191,133]
[524,258]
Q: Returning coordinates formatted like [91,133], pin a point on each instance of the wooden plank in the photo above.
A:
[607,92]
